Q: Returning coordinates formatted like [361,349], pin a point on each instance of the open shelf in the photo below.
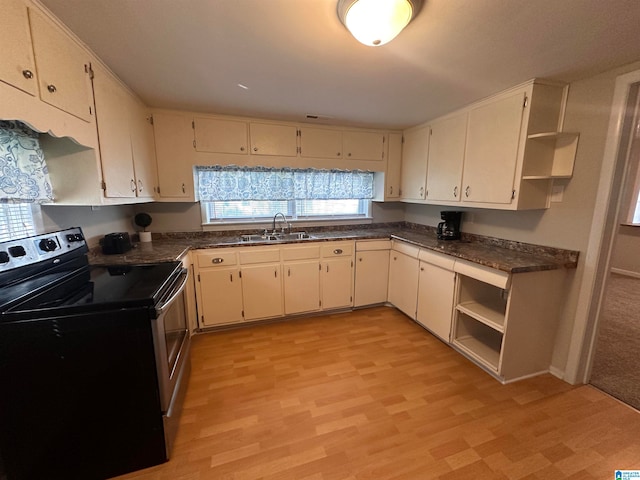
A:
[550,155]
[490,312]
[478,340]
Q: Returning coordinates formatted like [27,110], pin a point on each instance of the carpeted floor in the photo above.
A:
[616,368]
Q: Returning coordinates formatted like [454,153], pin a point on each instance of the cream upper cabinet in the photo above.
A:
[392,177]
[63,68]
[415,152]
[493,138]
[273,139]
[320,142]
[17,67]
[173,136]
[126,140]
[143,148]
[446,157]
[116,154]
[220,135]
[363,145]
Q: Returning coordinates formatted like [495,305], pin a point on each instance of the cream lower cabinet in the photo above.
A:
[506,323]
[261,282]
[403,277]
[218,287]
[301,278]
[436,287]
[337,275]
[371,272]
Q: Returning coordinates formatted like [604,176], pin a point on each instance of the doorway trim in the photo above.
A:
[601,236]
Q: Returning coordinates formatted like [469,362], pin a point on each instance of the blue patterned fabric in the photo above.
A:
[23,173]
[220,183]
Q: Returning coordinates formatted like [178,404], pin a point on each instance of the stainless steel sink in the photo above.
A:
[275,237]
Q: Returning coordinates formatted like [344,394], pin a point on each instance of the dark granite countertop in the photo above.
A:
[505,255]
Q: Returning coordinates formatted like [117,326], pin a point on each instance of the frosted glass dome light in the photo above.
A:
[376,22]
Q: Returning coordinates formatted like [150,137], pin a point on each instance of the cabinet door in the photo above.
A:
[337,283]
[446,156]
[363,145]
[271,139]
[320,143]
[301,286]
[261,291]
[394,164]
[220,136]
[112,117]
[142,146]
[403,282]
[62,69]
[220,299]
[17,67]
[371,277]
[493,137]
[173,140]
[415,153]
[435,299]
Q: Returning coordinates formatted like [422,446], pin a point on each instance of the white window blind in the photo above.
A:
[16,221]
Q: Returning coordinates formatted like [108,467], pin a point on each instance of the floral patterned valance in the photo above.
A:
[219,183]
[23,173]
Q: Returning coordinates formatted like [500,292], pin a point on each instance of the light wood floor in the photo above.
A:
[371,395]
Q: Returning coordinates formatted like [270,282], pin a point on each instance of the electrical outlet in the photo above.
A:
[557,192]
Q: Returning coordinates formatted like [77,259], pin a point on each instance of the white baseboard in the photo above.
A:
[626,273]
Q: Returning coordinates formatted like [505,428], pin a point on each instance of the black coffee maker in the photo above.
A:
[449,228]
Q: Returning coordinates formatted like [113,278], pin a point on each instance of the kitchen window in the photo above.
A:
[255,194]
[16,221]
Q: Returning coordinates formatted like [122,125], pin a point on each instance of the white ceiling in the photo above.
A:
[297,58]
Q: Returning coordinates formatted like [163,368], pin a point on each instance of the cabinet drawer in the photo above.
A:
[405,248]
[301,253]
[370,245]
[216,258]
[438,259]
[495,277]
[337,249]
[259,256]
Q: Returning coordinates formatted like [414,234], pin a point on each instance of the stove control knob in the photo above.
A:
[4,257]
[17,251]
[47,245]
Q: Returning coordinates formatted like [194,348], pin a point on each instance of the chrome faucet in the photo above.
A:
[284,219]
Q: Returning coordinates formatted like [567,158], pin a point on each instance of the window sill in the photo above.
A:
[262,224]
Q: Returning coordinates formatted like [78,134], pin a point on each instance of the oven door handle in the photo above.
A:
[176,291]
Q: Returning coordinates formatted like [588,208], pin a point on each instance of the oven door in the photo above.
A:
[171,339]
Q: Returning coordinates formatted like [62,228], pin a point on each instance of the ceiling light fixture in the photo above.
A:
[376,22]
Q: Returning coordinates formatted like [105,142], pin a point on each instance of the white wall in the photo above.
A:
[95,221]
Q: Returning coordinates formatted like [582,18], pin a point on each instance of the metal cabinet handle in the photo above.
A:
[289,272]
[360,259]
[455,192]
[466,191]
[275,273]
[183,189]
[217,260]
[327,268]
[133,185]
[140,186]
[391,190]
[337,251]
[421,191]
[242,149]
[349,154]
[52,88]
[28,74]
[255,149]
[338,154]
